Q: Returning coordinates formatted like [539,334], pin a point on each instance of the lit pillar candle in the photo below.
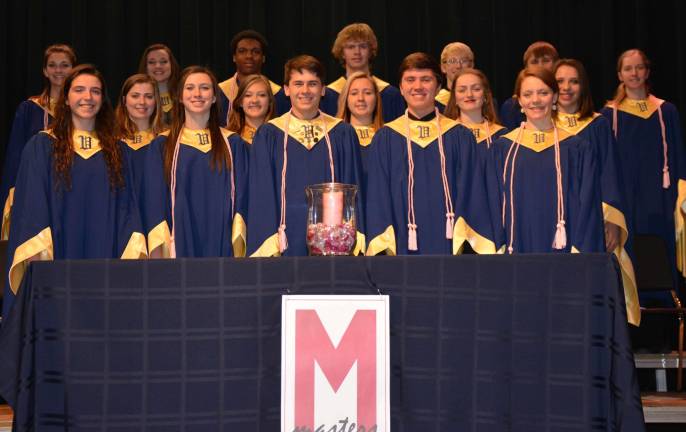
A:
[332,205]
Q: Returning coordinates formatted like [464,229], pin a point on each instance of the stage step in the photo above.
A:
[664,407]
[657,408]
[657,361]
[5,418]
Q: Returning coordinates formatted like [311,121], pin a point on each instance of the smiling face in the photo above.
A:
[158,65]
[567,78]
[536,99]
[248,57]
[57,68]
[454,64]
[305,90]
[634,72]
[255,102]
[419,88]
[469,93]
[84,98]
[140,101]
[356,54]
[198,93]
[362,99]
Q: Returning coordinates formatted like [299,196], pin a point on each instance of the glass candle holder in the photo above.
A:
[331,226]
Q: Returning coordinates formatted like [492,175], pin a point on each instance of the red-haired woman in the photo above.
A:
[548,177]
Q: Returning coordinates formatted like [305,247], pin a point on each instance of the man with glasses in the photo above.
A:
[454,57]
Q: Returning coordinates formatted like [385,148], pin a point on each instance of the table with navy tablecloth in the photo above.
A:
[478,343]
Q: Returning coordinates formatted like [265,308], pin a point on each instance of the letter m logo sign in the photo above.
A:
[335,362]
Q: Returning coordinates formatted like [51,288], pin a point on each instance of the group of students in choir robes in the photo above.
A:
[187,166]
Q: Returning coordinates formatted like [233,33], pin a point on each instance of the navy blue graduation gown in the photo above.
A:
[136,148]
[651,209]
[206,223]
[387,200]
[89,220]
[511,115]
[229,89]
[535,192]
[596,130]
[28,121]
[308,164]
[392,102]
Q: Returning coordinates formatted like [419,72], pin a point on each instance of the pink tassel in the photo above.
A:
[665,178]
[283,241]
[560,241]
[449,224]
[412,237]
[172,248]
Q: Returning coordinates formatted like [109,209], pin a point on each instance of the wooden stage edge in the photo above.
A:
[5,418]
[657,407]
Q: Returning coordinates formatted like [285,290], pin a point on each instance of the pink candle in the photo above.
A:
[332,204]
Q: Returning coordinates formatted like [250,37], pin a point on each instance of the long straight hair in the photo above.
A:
[220,154]
[585,99]
[237,115]
[488,111]
[172,84]
[620,93]
[343,109]
[126,128]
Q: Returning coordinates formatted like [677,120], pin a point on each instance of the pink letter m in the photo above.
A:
[313,343]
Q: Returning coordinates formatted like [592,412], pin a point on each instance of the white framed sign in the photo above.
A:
[335,362]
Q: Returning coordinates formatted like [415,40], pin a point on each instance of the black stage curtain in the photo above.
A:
[112,34]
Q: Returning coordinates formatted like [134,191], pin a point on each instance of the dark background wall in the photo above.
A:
[112,34]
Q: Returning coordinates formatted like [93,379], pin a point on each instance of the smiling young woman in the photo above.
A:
[159,62]
[195,178]
[74,195]
[33,115]
[576,116]
[548,178]
[253,106]
[471,104]
[651,155]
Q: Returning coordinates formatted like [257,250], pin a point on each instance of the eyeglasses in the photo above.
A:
[461,61]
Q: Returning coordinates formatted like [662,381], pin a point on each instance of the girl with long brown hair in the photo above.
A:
[159,62]
[253,106]
[74,198]
[194,191]
[138,119]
